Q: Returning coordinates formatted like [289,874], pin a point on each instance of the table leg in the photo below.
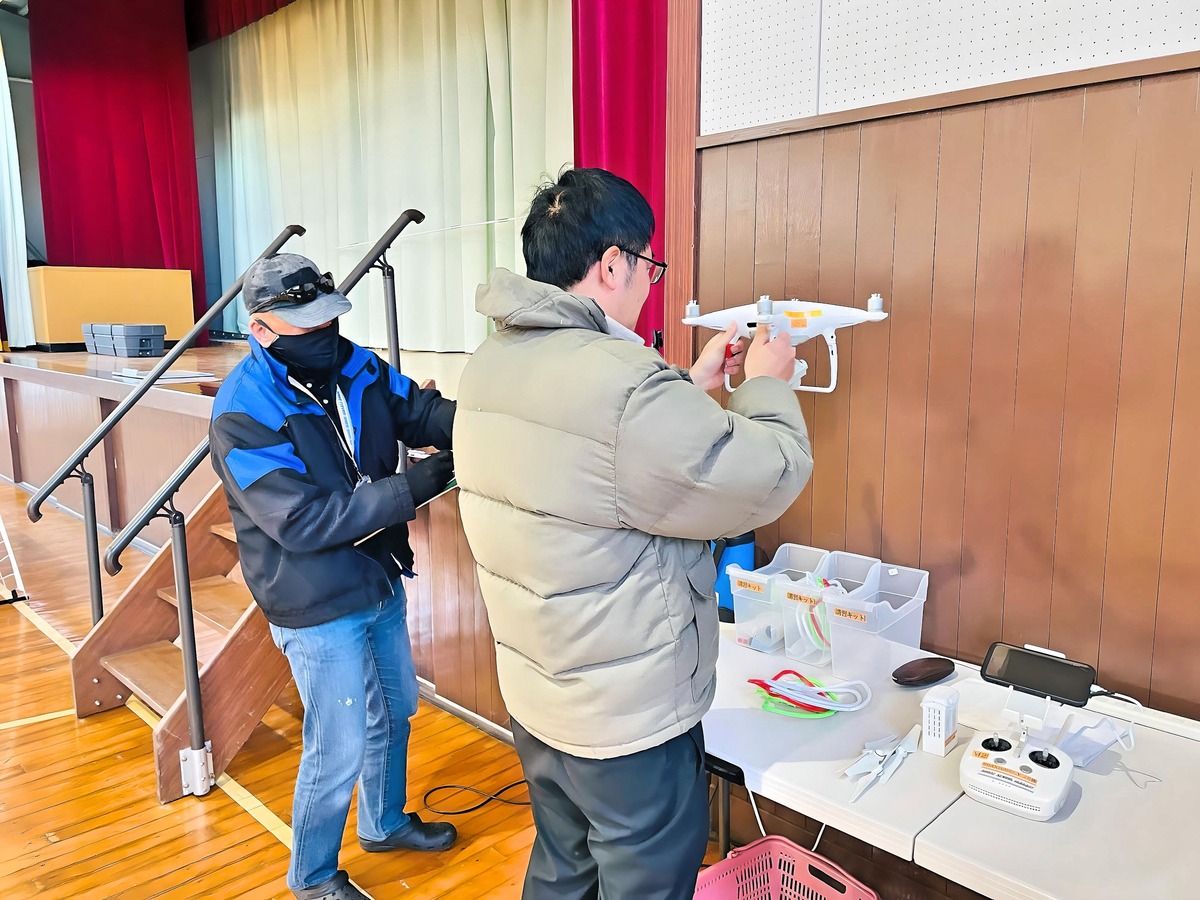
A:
[723,816]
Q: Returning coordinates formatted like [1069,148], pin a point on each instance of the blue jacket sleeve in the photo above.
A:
[423,418]
[269,483]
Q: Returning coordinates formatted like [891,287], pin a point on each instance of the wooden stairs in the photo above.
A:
[132,651]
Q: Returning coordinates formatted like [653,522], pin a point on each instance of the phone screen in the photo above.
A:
[1036,673]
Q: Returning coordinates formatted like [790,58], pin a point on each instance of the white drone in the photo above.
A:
[801,319]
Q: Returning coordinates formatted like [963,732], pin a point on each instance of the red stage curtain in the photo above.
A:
[620,57]
[113,104]
[208,20]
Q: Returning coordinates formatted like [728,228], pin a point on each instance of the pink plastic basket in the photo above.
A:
[773,868]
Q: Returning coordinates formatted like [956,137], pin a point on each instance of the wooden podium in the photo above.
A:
[64,297]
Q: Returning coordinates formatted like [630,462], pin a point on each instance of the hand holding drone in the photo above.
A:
[800,319]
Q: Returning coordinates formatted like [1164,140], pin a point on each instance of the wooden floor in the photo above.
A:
[78,815]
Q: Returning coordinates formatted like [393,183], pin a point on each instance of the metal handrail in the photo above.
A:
[73,467]
[154,508]
[157,503]
[377,258]
[34,506]
[381,246]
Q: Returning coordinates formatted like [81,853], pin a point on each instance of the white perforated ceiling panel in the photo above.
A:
[770,61]
[758,62]
[877,52]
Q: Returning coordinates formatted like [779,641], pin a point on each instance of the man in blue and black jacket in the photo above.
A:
[305,438]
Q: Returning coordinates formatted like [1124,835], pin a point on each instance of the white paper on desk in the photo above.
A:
[1088,734]
[171,375]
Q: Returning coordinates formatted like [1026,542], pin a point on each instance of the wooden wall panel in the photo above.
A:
[473,680]
[1057,134]
[801,278]
[420,594]
[908,348]
[710,262]
[450,677]
[865,381]
[1166,138]
[52,423]
[148,446]
[741,210]
[711,259]
[952,314]
[1176,664]
[1002,217]
[1101,245]
[830,426]
[771,218]
[1026,424]
[458,643]
[770,254]
[488,702]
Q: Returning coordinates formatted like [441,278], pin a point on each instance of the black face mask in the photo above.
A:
[314,351]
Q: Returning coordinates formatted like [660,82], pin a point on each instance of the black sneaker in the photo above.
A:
[336,888]
[415,835]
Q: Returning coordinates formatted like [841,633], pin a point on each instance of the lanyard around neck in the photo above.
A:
[346,435]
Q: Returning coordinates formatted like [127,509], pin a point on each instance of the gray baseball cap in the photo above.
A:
[291,287]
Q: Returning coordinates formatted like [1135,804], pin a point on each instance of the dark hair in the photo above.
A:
[572,222]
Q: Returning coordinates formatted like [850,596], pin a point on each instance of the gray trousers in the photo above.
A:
[630,828]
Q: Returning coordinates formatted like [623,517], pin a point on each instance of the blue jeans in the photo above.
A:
[356,679]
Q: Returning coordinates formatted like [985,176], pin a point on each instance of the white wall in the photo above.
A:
[765,61]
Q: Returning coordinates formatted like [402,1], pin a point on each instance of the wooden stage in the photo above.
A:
[53,401]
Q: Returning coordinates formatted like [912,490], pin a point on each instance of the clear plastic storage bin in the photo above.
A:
[758,596]
[850,570]
[757,619]
[805,625]
[806,632]
[877,627]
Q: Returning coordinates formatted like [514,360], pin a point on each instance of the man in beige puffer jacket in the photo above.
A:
[592,477]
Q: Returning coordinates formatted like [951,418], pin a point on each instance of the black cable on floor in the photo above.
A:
[487,798]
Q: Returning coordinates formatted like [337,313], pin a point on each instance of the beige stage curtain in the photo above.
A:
[340,114]
[14,272]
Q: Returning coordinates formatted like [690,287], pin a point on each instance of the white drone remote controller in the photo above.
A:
[1026,778]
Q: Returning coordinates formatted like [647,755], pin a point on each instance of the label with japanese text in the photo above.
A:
[852,614]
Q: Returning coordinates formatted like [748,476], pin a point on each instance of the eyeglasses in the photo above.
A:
[303,292]
[657,269]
